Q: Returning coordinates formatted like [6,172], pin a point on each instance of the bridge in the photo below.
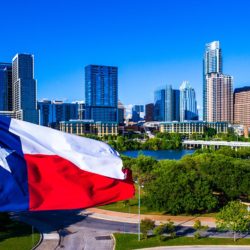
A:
[215,144]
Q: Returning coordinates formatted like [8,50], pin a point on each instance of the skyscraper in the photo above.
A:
[176,105]
[212,63]
[6,87]
[159,105]
[166,106]
[24,88]
[219,97]
[188,104]
[169,103]
[101,93]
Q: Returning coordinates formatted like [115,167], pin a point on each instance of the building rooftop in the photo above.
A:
[243,89]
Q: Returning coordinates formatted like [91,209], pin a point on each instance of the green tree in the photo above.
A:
[199,228]
[177,188]
[121,143]
[233,217]
[176,140]
[146,225]
[209,132]
[167,228]
[142,168]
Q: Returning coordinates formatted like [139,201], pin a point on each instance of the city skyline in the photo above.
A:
[137,38]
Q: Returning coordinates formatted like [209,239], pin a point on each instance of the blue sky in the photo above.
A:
[153,43]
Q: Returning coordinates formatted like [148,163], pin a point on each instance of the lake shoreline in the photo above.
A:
[159,154]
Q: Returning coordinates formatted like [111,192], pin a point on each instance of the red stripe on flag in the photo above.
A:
[56,183]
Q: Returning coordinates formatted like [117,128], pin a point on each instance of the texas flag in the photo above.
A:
[45,169]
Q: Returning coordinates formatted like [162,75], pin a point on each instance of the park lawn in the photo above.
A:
[17,236]
[130,206]
[130,241]
[133,208]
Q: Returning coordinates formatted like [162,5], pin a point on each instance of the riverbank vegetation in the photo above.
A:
[199,183]
[163,141]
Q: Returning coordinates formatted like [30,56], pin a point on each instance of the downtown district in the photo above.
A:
[173,110]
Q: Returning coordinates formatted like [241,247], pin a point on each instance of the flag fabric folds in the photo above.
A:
[45,169]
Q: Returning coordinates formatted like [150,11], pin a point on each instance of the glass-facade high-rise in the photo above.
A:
[188,104]
[24,88]
[166,105]
[212,63]
[159,105]
[101,93]
[5,86]
[176,105]
[169,103]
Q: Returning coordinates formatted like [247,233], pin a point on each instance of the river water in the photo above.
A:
[159,154]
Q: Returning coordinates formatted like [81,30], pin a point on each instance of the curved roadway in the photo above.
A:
[77,230]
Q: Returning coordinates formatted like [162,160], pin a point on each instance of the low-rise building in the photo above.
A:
[83,127]
[191,127]
[10,114]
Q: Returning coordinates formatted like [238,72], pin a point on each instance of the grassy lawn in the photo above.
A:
[17,236]
[130,206]
[130,241]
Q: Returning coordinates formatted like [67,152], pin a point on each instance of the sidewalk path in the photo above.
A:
[133,218]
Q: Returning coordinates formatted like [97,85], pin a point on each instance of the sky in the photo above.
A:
[153,43]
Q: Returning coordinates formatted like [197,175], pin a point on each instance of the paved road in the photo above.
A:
[199,248]
[79,231]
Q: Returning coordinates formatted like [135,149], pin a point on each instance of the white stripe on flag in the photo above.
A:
[90,155]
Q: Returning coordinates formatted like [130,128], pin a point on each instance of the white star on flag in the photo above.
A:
[4,152]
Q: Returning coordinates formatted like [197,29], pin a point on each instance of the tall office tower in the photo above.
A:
[219,97]
[188,104]
[169,103]
[149,110]
[166,106]
[159,105]
[242,106]
[212,63]
[101,93]
[6,87]
[176,105]
[24,88]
